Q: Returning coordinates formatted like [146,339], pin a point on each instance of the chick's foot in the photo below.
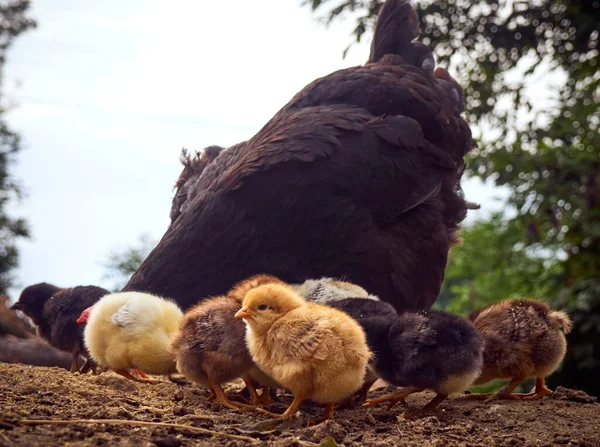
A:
[137,378]
[393,398]
[504,393]
[266,398]
[287,413]
[539,392]
[86,366]
[75,359]
[327,414]
[427,409]
[223,399]
[358,398]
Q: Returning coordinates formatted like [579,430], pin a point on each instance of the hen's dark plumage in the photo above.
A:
[358,176]
[55,310]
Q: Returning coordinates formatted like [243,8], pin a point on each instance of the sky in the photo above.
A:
[105,95]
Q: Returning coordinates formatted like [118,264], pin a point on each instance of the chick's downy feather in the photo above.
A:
[434,350]
[211,342]
[523,338]
[317,352]
[210,345]
[132,330]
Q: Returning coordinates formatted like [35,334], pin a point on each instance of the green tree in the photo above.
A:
[504,267]
[122,264]
[545,151]
[13,22]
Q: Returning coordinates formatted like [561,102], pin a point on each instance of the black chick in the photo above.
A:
[417,350]
[376,317]
[430,350]
[54,311]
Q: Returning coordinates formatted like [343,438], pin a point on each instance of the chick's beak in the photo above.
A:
[244,312]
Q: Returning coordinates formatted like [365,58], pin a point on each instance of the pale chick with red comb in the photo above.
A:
[130,333]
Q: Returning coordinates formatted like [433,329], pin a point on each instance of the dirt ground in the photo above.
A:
[39,393]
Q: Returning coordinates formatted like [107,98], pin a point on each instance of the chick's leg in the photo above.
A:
[504,393]
[432,405]
[539,392]
[266,398]
[393,398]
[86,366]
[222,398]
[140,379]
[75,361]
[251,385]
[287,413]
[327,414]
[350,402]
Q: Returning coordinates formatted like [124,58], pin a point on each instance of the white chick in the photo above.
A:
[132,330]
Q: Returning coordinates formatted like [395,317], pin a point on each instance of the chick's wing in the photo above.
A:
[305,339]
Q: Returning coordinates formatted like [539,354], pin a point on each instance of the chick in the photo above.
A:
[239,290]
[376,318]
[210,346]
[326,289]
[317,352]
[523,338]
[132,330]
[429,350]
[54,311]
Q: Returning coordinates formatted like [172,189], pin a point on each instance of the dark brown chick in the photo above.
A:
[428,350]
[523,338]
[54,311]
[210,347]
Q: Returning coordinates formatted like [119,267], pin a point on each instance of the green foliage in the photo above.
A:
[504,267]
[124,263]
[13,21]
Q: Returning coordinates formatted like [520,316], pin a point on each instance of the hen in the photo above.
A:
[358,176]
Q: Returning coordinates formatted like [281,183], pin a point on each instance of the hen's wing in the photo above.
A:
[193,166]
[314,193]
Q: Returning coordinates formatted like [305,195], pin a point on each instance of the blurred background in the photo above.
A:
[98,99]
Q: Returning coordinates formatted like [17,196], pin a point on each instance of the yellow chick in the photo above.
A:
[132,330]
[317,352]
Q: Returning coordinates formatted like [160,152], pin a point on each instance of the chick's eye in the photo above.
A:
[262,307]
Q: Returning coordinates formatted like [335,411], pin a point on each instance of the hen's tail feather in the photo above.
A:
[397,26]
[559,319]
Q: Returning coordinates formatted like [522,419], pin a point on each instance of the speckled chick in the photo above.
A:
[429,350]
[55,310]
[317,352]
[326,289]
[523,338]
[210,345]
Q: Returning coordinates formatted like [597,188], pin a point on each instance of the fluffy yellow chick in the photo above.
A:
[317,352]
[132,330]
